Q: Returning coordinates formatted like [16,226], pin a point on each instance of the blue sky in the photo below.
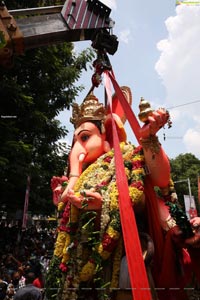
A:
[158,58]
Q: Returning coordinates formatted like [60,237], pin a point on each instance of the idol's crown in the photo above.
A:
[89,110]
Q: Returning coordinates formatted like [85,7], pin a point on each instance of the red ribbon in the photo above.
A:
[136,266]
[126,106]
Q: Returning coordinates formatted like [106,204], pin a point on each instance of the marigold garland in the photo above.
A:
[97,244]
[87,271]
[116,264]
[60,242]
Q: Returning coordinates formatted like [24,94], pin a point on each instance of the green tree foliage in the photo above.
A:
[40,84]
[183,167]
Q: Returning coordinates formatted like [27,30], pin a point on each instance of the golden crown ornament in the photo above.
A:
[145,110]
[89,110]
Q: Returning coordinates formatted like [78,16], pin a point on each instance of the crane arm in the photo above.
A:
[76,20]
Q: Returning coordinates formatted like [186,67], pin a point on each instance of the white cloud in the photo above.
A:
[179,64]
[110,3]
[125,35]
[175,115]
[179,69]
[192,141]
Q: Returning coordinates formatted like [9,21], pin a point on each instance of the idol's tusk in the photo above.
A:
[81,157]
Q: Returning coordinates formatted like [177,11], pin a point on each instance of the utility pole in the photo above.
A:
[189,186]
[192,209]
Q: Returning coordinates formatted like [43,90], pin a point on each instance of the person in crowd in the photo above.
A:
[22,262]
[3,288]
[15,277]
[21,272]
[29,291]
[39,280]
[10,291]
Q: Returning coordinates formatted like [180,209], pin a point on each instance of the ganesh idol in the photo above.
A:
[89,259]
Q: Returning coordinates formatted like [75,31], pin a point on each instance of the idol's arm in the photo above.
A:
[156,159]
[158,167]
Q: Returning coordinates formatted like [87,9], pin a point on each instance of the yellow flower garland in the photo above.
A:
[116,264]
[101,174]
[87,271]
[60,243]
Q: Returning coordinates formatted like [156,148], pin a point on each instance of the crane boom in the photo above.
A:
[76,20]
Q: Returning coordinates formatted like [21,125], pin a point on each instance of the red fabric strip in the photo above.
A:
[162,271]
[129,112]
[136,267]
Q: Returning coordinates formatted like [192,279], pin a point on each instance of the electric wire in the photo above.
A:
[187,103]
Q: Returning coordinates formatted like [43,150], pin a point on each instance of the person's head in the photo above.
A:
[29,277]
[10,290]
[15,277]
[3,289]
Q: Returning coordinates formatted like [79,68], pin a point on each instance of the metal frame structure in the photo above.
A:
[76,20]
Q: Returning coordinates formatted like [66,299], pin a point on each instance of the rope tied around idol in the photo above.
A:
[100,64]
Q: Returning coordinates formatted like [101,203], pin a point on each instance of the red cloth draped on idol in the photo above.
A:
[97,232]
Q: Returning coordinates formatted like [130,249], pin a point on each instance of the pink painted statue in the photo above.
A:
[89,249]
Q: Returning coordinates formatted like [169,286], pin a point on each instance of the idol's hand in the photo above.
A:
[155,121]
[86,199]
[57,186]
[177,236]
[76,158]
[195,222]
[193,241]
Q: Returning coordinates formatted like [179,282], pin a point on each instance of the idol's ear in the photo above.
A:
[120,129]
[116,105]
[106,146]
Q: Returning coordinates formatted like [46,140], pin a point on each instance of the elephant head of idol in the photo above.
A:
[93,126]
